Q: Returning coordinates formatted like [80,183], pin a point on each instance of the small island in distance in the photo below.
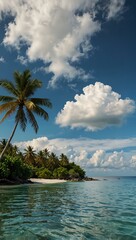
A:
[18,167]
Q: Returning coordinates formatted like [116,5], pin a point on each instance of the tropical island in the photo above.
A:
[17,166]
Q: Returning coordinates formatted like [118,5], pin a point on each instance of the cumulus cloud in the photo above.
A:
[113,160]
[97,108]
[91,154]
[57,32]
[73,145]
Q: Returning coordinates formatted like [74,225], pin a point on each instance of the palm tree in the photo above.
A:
[64,162]
[21,103]
[46,153]
[53,162]
[29,155]
[3,143]
[40,159]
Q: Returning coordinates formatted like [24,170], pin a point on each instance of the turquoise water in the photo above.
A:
[76,211]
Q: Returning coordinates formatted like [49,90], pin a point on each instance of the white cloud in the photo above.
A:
[78,145]
[113,160]
[2,60]
[97,108]
[22,60]
[92,155]
[115,7]
[53,32]
[133,161]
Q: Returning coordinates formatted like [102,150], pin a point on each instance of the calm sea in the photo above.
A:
[101,210]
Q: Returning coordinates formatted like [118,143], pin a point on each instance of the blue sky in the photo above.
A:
[84,52]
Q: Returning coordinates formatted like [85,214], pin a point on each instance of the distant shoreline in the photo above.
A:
[5,181]
[48,181]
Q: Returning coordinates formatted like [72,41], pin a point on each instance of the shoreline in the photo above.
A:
[5,181]
[46,181]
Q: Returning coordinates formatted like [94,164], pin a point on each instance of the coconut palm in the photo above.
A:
[53,162]
[29,155]
[40,159]
[64,162]
[21,103]
[3,143]
[46,153]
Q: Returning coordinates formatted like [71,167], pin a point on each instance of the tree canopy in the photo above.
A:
[41,164]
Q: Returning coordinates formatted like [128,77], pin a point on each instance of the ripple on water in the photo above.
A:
[75,211]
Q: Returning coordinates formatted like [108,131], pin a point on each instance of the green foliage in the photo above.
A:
[79,170]
[42,164]
[73,174]
[4,171]
[53,162]
[64,162]
[61,173]
[44,173]
[14,168]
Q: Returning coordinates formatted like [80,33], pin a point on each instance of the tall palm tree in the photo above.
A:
[21,103]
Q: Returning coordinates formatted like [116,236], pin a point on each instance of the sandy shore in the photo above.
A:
[44,181]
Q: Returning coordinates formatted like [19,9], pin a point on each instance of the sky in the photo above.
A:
[84,52]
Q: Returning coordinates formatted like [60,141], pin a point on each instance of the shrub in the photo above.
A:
[44,173]
[61,173]
[13,168]
[73,174]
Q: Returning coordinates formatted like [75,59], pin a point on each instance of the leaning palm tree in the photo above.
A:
[21,103]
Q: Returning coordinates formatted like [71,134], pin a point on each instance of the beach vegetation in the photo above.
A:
[28,163]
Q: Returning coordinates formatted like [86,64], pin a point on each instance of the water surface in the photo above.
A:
[98,210]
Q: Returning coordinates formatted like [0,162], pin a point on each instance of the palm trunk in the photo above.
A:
[8,142]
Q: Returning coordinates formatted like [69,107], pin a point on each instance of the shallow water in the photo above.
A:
[76,211]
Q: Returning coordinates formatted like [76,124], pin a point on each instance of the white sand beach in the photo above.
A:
[48,181]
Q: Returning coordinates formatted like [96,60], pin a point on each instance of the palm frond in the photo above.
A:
[9,86]
[8,113]
[42,101]
[17,77]
[41,112]
[31,87]
[6,98]
[21,118]
[22,79]
[7,106]
[32,120]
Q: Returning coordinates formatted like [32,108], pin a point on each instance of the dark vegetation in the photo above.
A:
[20,166]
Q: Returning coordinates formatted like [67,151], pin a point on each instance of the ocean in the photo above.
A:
[96,210]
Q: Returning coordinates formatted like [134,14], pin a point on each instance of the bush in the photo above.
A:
[14,168]
[4,171]
[73,174]
[79,170]
[61,173]
[44,173]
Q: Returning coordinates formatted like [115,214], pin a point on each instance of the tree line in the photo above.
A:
[25,164]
